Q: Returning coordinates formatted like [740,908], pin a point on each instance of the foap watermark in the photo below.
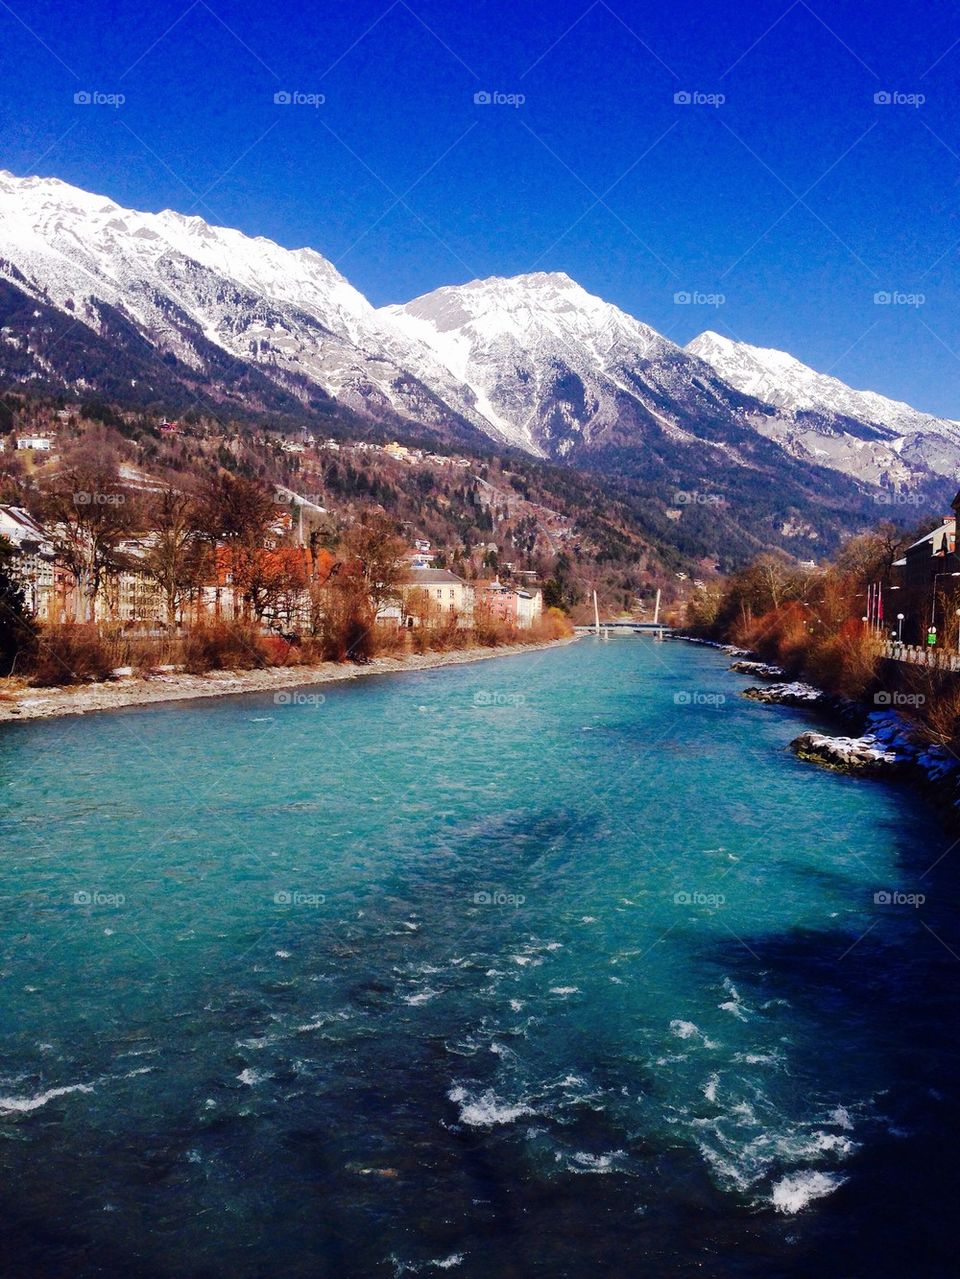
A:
[695,98]
[493,697]
[494,98]
[893,897]
[894,297]
[294,897]
[898,699]
[899,499]
[894,98]
[94,98]
[697,698]
[697,898]
[692,297]
[296,98]
[697,497]
[498,898]
[286,698]
[96,897]
[297,500]
[83,498]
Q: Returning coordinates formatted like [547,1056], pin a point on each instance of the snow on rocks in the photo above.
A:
[850,754]
[889,744]
[730,649]
[793,693]
[759,670]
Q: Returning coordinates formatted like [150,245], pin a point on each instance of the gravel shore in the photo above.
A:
[21,703]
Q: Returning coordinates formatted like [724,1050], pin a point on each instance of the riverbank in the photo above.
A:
[20,702]
[888,744]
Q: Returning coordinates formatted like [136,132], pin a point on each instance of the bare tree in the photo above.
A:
[174,549]
[374,552]
[89,516]
[238,513]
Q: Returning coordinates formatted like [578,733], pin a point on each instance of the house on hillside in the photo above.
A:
[38,443]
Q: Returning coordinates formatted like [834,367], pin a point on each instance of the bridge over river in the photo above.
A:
[606,629]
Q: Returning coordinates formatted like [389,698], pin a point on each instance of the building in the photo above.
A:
[447,593]
[931,555]
[39,443]
[516,607]
[926,582]
[529,608]
[49,587]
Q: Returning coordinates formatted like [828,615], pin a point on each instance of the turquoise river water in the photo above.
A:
[553,965]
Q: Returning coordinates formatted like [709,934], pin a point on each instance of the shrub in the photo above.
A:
[70,655]
[845,663]
[232,646]
[344,628]
[419,640]
[551,625]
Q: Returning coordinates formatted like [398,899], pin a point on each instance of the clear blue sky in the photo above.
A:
[797,199]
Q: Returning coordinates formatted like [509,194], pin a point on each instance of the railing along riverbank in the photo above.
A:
[917,655]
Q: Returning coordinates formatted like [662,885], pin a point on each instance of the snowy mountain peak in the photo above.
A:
[547,362]
[182,280]
[532,360]
[783,381]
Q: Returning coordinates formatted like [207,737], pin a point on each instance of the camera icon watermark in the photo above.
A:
[96,897]
[498,898]
[492,697]
[894,98]
[290,698]
[696,497]
[899,699]
[94,98]
[697,898]
[694,98]
[494,98]
[692,297]
[898,499]
[294,897]
[82,498]
[697,698]
[295,98]
[894,297]
[893,897]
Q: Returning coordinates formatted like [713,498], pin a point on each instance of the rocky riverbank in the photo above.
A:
[847,754]
[887,744]
[759,670]
[20,702]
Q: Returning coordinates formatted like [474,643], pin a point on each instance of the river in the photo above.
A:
[560,965]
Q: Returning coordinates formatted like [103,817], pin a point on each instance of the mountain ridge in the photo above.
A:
[195,312]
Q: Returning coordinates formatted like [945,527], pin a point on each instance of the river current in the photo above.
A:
[552,965]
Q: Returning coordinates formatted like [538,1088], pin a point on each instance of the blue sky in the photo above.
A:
[797,198]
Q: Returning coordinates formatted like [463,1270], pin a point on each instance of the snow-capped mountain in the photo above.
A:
[557,370]
[865,434]
[166,310]
[185,284]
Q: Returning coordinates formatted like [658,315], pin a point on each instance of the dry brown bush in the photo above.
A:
[226,647]
[70,655]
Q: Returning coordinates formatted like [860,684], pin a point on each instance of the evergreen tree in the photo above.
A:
[18,631]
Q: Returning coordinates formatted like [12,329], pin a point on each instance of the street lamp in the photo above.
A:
[900,627]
